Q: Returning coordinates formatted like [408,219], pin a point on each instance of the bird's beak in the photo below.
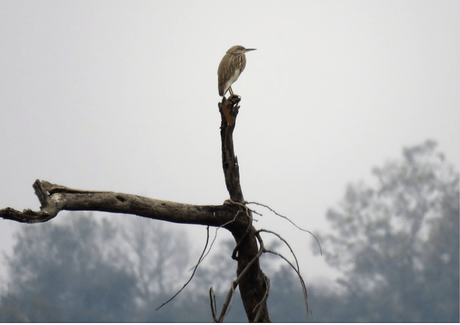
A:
[247,50]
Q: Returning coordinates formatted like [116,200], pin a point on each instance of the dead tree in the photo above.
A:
[232,215]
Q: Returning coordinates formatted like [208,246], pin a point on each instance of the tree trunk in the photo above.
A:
[253,285]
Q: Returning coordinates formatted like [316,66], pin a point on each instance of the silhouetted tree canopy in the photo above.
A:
[397,243]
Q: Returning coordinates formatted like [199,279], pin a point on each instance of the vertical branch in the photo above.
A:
[229,110]
[253,283]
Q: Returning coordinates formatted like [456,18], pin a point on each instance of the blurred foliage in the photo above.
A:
[397,245]
[89,271]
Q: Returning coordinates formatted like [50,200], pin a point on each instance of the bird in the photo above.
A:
[230,68]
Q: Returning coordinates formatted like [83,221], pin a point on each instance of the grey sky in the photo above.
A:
[122,96]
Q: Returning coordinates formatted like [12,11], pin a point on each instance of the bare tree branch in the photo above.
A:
[304,287]
[292,222]
[284,241]
[212,298]
[252,281]
[229,110]
[55,198]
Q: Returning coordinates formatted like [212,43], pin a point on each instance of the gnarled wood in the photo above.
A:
[229,110]
[55,198]
[253,286]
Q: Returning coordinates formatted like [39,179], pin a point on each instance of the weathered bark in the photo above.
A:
[229,110]
[55,198]
[231,215]
[253,286]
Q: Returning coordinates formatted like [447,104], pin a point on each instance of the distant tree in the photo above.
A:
[155,255]
[397,244]
[88,271]
[111,271]
[67,273]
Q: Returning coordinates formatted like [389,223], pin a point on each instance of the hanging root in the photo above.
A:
[284,217]
[258,309]
[296,268]
[202,256]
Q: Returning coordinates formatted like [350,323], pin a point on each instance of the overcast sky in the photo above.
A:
[122,96]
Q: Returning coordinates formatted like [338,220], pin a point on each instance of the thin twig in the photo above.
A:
[227,302]
[261,303]
[247,212]
[284,217]
[304,288]
[284,241]
[212,297]
[236,282]
[194,270]
[215,236]
[248,229]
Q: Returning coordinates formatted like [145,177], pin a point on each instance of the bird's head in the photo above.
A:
[238,50]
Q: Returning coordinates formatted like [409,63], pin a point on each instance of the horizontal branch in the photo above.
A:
[55,198]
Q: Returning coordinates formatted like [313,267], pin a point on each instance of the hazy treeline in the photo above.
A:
[396,245]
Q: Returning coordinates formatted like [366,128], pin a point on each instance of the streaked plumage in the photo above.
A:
[230,68]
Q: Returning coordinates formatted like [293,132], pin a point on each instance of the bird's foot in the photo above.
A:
[234,98]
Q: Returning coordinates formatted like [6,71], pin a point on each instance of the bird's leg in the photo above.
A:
[230,90]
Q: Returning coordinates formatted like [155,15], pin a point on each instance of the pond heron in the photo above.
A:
[230,68]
